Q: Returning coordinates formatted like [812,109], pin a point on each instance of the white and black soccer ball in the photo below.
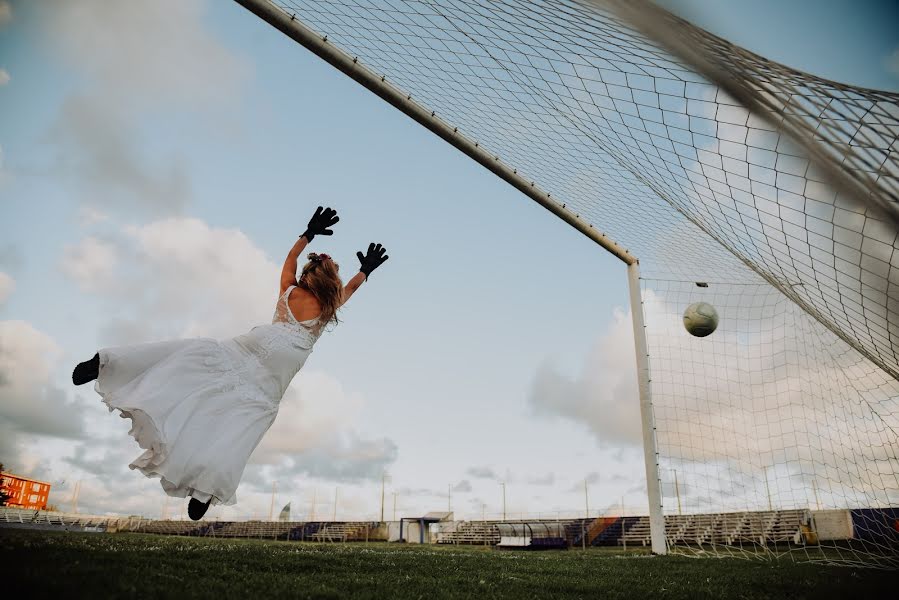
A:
[700,319]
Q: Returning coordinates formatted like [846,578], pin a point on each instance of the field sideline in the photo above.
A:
[137,565]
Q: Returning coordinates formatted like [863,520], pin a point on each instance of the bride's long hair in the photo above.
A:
[320,277]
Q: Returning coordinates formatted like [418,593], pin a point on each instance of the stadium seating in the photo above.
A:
[40,519]
[587,528]
[636,532]
[762,528]
[303,531]
[168,527]
[255,529]
[484,533]
[731,529]
[487,533]
[281,530]
[612,534]
[758,528]
[344,532]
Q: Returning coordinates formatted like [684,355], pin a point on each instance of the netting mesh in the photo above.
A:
[781,184]
[848,130]
[770,413]
[640,144]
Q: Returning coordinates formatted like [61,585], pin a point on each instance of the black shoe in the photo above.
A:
[86,371]
[196,509]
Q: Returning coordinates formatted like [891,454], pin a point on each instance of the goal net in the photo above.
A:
[709,164]
[773,434]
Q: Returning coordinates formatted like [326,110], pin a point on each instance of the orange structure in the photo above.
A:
[24,492]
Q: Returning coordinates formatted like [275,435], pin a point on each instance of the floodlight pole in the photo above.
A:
[677,492]
[394,506]
[271,510]
[383,479]
[650,452]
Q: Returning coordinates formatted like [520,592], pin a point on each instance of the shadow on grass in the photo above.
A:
[148,566]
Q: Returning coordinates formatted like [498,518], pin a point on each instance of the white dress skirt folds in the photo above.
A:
[199,407]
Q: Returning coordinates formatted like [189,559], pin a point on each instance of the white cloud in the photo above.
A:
[545,479]
[604,396]
[90,263]
[179,277]
[139,61]
[313,408]
[146,55]
[483,473]
[315,435]
[4,77]
[174,277]
[5,12]
[10,448]
[89,215]
[770,391]
[122,494]
[101,155]
[214,282]
[7,286]
[891,62]
[345,457]
[29,401]
[463,487]
[24,454]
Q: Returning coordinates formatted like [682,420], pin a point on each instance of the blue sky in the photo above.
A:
[153,175]
[847,41]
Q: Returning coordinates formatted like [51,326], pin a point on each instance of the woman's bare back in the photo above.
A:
[303,304]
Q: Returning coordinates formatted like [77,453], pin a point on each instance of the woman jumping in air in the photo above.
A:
[200,407]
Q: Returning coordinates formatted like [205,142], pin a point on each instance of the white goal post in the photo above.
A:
[776,188]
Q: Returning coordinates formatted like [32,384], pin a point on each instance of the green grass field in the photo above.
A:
[147,566]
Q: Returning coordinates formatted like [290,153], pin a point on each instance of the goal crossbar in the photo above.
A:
[378,84]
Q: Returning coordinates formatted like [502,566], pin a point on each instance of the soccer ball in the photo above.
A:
[700,319]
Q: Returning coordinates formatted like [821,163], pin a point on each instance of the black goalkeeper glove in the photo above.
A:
[373,259]
[320,222]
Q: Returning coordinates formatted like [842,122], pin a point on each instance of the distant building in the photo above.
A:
[24,492]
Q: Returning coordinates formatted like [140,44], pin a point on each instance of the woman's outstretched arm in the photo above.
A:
[319,224]
[289,270]
[352,285]
[373,259]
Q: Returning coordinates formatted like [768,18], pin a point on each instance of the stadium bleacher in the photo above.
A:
[484,533]
[761,528]
[758,528]
[487,532]
[41,519]
[344,532]
[351,531]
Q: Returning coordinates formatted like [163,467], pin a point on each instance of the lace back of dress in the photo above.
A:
[283,315]
[282,311]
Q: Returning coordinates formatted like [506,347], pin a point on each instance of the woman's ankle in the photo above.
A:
[87,371]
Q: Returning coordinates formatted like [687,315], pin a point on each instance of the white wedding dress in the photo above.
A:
[199,407]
